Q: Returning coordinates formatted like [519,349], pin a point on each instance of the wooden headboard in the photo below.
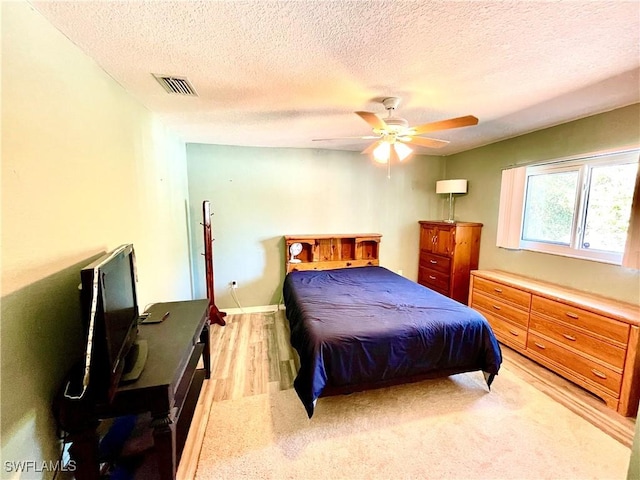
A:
[327,251]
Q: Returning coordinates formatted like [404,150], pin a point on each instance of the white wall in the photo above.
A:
[85,168]
[258,195]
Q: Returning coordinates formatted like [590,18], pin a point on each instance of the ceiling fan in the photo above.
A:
[393,134]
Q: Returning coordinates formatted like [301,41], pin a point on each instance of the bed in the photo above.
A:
[366,327]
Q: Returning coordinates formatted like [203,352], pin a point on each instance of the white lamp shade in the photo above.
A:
[402,150]
[381,152]
[451,186]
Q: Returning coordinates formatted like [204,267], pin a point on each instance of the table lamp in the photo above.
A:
[451,187]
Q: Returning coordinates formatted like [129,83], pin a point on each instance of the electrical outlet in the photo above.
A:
[233,284]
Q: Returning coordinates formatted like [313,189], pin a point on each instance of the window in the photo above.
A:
[578,208]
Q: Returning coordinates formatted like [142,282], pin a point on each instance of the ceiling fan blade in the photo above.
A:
[366,137]
[372,119]
[371,148]
[445,124]
[424,142]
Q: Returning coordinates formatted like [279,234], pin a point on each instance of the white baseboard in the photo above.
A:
[257,309]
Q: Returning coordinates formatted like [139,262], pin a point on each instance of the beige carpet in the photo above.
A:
[450,428]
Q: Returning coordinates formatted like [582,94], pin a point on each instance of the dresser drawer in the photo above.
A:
[434,279]
[591,340]
[504,292]
[589,370]
[505,331]
[435,288]
[583,319]
[435,262]
[577,340]
[497,307]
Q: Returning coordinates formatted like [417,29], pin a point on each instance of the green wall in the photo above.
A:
[258,195]
[85,168]
[483,166]
[634,463]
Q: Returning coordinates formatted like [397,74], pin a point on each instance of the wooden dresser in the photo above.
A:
[326,251]
[592,341]
[448,253]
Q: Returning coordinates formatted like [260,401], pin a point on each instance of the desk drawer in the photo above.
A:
[578,340]
[498,290]
[502,309]
[599,325]
[581,366]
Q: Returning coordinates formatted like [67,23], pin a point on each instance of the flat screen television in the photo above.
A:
[110,316]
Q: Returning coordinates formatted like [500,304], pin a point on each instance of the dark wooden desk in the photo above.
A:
[169,376]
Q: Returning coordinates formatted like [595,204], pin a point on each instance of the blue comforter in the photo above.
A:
[368,325]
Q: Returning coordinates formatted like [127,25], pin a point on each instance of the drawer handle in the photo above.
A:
[572,315]
[496,307]
[348,264]
[539,345]
[433,261]
[569,337]
[598,373]
[514,333]
[499,290]
[432,277]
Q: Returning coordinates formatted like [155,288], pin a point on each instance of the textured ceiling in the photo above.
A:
[283,73]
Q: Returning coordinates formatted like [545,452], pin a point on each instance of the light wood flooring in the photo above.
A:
[252,355]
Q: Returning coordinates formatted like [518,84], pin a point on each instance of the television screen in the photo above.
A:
[120,305]
[110,307]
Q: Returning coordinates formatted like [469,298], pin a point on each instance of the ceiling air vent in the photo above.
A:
[177,85]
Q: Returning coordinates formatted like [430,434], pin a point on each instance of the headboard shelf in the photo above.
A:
[327,251]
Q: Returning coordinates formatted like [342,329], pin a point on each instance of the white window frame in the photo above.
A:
[584,167]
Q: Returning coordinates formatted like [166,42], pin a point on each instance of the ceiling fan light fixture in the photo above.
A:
[395,137]
[402,150]
[382,152]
